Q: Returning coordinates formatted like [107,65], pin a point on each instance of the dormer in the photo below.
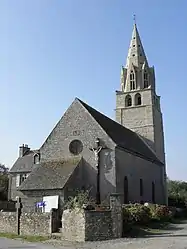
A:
[36,158]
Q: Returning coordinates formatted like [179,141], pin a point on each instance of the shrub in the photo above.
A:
[160,212]
[136,213]
[81,200]
[140,214]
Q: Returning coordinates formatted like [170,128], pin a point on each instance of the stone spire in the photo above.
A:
[138,105]
[136,74]
[136,54]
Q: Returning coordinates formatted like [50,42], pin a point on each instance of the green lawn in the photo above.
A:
[30,238]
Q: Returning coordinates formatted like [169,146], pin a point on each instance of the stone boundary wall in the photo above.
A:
[35,224]
[83,225]
[43,224]
[98,225]
[73,225]
[8,222]
[77,225]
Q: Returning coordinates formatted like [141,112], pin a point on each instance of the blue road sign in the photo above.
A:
[41,204]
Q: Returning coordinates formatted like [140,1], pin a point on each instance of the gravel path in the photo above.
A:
[175,237]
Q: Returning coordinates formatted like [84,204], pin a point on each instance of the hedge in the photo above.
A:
[141,214]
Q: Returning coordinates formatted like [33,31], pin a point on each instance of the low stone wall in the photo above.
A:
[35,224]
[98,225]
[83,225]
[8,223]
[29,223]
[73,225]
[77,225]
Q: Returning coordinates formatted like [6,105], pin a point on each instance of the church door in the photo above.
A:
[126,190]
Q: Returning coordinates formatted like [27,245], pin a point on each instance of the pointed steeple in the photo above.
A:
[136,74]
[136,54]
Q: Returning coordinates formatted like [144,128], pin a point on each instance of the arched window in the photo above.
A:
[138,99]
[153,192]
[132,81]
[37,158]
[146,82]
[128,100]
[141,187]
[126,190]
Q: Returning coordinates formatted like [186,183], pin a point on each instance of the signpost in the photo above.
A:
[18,213]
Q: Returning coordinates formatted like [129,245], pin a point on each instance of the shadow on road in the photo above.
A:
[155,230]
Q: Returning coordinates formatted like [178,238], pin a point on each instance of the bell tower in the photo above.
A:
[137,103]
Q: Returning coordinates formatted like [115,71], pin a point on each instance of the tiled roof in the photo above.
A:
[25,163]
[50,175]
[122,137]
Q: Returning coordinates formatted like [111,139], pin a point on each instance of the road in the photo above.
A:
[175,237]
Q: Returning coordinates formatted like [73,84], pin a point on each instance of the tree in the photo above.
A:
[177,193]
[3,169]
[3,182]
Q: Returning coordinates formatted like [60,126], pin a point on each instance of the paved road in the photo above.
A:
[18,244]
[174,238]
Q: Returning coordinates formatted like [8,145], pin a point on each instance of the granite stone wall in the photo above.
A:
[98,225]
[82,225]
[73,225]
[136,168]
[8,223]
[30,223]
[35,224]
[77,123]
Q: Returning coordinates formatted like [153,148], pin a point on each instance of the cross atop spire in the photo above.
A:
[136,54]
[134,18]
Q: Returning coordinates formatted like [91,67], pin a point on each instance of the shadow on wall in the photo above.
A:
[90,180]
[148,142]
[107,161]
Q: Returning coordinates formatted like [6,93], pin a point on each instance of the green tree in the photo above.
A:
[177,193]
[3,182]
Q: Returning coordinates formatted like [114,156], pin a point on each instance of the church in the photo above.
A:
[127,153]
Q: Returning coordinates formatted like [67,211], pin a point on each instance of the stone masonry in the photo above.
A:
[83,225]
[137,103]
[30,223]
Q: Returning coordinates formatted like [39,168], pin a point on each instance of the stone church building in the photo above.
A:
[131,149]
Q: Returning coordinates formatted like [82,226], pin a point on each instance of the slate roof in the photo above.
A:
[123,137]
[25,163]
[50,175]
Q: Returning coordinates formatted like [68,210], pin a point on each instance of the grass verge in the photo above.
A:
[30,238]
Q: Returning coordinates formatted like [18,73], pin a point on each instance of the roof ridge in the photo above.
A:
[107,118]
[84,105]
[123,129]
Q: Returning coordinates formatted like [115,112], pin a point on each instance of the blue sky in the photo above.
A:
[52,51]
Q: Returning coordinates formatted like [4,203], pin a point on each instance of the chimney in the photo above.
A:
[23,149]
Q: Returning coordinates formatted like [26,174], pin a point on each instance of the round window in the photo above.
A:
[76,147]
